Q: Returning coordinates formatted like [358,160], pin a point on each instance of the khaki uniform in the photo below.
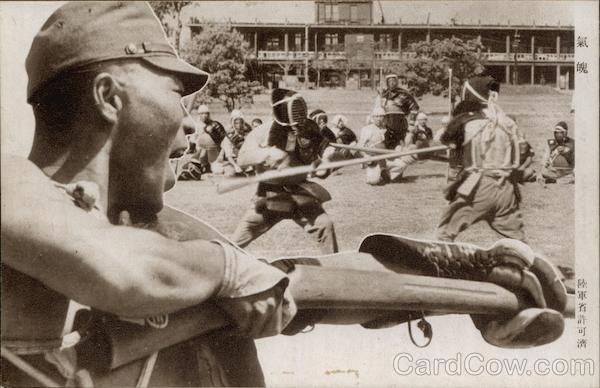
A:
[485,190]
[39,327]
[294,198]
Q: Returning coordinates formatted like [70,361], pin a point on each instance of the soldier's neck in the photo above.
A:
[80,161]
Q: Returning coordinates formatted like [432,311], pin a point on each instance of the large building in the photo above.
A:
[350,43]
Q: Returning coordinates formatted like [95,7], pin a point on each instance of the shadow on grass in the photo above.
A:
[414,178]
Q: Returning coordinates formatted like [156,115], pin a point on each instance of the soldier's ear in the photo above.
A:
[106,90]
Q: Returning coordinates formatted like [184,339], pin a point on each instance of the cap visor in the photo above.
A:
[193,78]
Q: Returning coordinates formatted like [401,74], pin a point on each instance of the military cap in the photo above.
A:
[83,33]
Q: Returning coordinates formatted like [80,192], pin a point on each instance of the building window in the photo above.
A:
[273,43]
[385,42]
[353,13]
[298,42]
[360,38]
[331,40]
[332,12]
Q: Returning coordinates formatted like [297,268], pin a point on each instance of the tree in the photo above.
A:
[169,14]
[221,51]
[427,71]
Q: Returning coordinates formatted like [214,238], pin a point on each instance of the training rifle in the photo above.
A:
[344,296]
[369,150]
[335,288]
[237,183]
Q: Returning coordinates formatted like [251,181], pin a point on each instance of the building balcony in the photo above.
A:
[529,57]
[265,55]
[284,56]
[331,55]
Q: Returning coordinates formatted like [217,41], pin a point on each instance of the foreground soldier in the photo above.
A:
[291,139]
[558,164]
[57,242]
[106,90]
[486,147]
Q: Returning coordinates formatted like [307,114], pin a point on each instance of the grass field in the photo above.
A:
[411,207]
[351,355]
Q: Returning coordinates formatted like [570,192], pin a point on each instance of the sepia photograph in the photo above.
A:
[323,193]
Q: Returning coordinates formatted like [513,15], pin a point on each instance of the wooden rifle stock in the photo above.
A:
[362,149]
[237,183]
[350,296]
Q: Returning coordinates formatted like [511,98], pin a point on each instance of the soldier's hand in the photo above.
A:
[320,173]
[261,315]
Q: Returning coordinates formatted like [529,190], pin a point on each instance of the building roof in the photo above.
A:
[472,13]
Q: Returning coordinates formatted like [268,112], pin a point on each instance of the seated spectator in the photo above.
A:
[343,135]
[226,162]
[206,143]
[320,117]
[558,164]
[419,134]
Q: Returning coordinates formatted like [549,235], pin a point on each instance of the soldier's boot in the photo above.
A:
[509,263]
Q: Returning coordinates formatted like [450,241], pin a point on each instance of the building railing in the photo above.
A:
[282,55]
[332,55]
[528,57]
[394,56]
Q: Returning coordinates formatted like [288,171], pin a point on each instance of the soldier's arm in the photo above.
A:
[122,270]
[253,151]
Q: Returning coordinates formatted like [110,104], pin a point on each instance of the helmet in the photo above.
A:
[479,88]
[561,126]
[316,114]
[289,108]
